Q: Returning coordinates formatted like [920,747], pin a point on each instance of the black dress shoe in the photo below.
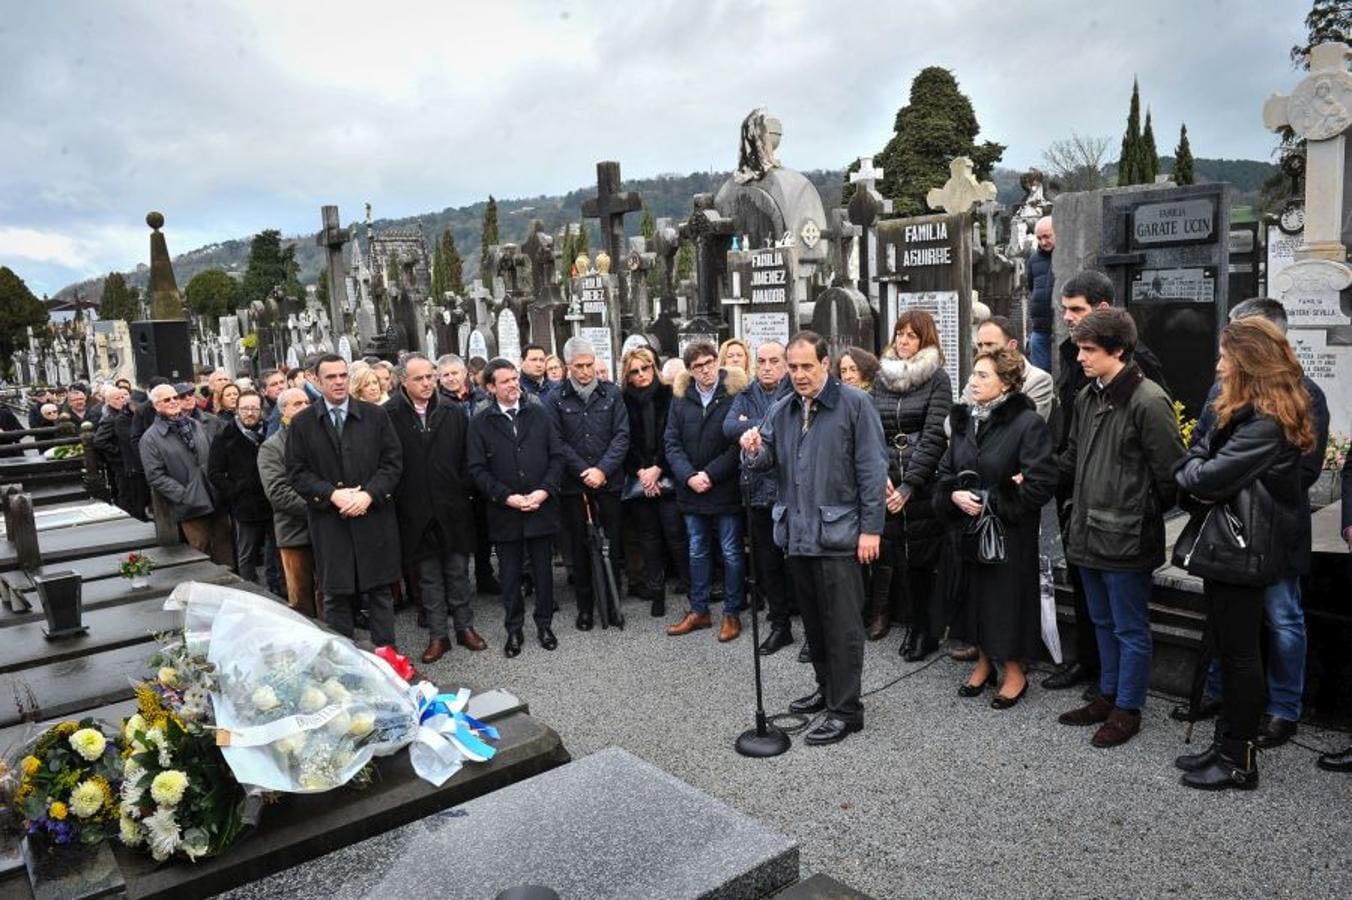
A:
[909,642]
[814,702]
[805,654]
[778,639]
[967,689]
[1002,702]
[1274,732]
[584,621]
[547,639]
[513,646]
[924,646]
[1338,761]
[831,731]
[1067,676]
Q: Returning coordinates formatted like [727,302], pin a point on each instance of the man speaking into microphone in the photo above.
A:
[825,445]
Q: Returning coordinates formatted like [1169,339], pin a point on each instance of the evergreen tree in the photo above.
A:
[18,310]
[1150,158]
[685,261]
[583,243]
[648,227]
[569,253]
[1129,170]
[267,267]
[212,294]
[489,238]
[119,301]
[937,125]
[454,278]
[438,274]
[1183,158]
[291,286]
[1328,20]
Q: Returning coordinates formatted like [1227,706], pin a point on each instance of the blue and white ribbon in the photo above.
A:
[447,735]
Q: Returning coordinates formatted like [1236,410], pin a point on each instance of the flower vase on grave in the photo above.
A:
[136,568]
[61,604]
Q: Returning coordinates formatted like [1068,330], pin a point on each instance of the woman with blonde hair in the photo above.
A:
[1245,534]
[735,353]
[366,386]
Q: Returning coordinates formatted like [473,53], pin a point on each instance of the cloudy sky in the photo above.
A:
[232,117]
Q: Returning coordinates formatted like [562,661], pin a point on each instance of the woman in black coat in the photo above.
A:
[913,395]
[649,490]
[1249,469]
[1000,454]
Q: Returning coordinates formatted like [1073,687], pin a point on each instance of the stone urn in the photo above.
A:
[61,604]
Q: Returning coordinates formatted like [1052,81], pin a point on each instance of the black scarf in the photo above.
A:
[645,400]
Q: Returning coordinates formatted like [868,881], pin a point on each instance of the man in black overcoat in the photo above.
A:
[432,503]
[516,461]
[344,458]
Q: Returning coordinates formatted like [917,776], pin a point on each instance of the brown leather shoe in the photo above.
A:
[436,649]
[730,630]
[1094,712]
[468,637]
[1121,727]
[880,625]
[692,622]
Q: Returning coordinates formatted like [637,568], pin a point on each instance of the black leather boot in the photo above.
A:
[1195,762]
[1236,766]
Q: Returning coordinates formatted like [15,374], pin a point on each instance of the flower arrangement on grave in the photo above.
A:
[63,785]
[1335,454]
[136,565]
[178,795]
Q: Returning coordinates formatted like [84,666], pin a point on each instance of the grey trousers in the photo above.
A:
[830,594]
[251,540]
[444,581]
[340,611]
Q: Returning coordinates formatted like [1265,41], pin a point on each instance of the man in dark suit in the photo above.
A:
[232,467]
[344,458]
[516,462]
[432,502]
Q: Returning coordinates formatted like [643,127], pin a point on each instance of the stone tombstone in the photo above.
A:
[764,296]
[332,238]
[229,341]
[1280,253]
[1246,257]
[344,348]
[480,343]
[712,235]
[1168,253]
[293,357]
[925,262]
[598,321]
[844,317]
[866,206]
[609,207]
[543,315]
[509,335]
[696,329]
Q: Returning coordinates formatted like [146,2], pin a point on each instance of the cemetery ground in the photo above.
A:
[939,795]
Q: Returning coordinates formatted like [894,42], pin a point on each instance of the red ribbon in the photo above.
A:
[400,663]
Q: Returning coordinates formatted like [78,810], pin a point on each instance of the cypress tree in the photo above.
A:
[1150,158]
[1128,163]
[1183,158]
[118,301]
[455,266]
[489,238]
[648,227]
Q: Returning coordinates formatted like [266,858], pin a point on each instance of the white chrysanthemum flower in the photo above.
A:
[131,776]
[336,691]
[89,743]
[85,799]
[132,834]
[162,832]
[134,724]
[363,723]
[168,787]
[265,698]
[292,743]
[312,699]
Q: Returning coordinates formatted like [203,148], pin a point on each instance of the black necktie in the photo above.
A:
[338,420]
[511,415]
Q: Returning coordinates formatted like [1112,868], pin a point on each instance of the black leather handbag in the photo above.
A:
[983,539]
[1216,543]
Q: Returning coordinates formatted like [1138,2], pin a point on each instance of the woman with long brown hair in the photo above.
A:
[1247,475]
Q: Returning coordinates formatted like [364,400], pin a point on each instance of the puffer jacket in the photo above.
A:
[695,443]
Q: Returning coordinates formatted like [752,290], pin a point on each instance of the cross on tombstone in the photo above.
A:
[962,191]
[332,237]
[864,210]
[609,207]
[844,233]
[712,234]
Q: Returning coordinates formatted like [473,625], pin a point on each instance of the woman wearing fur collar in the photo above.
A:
[913,395]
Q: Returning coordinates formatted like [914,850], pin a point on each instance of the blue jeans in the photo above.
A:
[1118,605]
[1040,349]
[700,529]
[1285,621]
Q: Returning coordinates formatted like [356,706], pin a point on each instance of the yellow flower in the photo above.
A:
[168,786]
[57,810]
[31,765]
[86,799]
[66,728]
[89,743]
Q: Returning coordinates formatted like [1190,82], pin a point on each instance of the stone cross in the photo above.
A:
[867,175]
[1320,111]
[962,191]
[609,207]
[332,237]
[865,207]
[666,244]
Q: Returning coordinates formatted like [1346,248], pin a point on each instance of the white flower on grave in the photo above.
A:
[168,787]
[312,699]
[134,724]
[163,833]
[292,743]
[339,724]
[89,743]
[168,676]
[132,834]
[265,698]
[131,777]
[85,799]
[155,738]
[336,691]
[362,724]
[195,844]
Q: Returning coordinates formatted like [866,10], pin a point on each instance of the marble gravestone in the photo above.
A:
[509,335]
[1168,253]
[598,320]
[764,296]
[926,263]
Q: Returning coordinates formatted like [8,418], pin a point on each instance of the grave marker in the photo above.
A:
[765,298]
[609,207]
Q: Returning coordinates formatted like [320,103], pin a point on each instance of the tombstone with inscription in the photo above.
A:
[609,207]
[1316,288]
[926,263]
[764,294]
[597,316]
[1168,253]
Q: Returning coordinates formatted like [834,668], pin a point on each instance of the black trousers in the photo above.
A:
[340,610]
[660,532]
[1233,633]
[772,581]
[513,557]
[830,592]
[607,506]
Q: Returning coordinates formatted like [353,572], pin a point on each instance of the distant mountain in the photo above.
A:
[664,196]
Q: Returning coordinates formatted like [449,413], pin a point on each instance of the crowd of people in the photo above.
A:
[858,492]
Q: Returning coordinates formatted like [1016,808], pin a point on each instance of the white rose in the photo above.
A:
[312,699]
[292,743]
[265,698]
[363,723]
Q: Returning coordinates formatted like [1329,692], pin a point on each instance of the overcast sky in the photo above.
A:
[231,117]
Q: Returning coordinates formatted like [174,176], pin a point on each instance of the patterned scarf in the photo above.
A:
[982,411]
[183,425]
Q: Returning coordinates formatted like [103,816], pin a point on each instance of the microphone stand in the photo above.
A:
[765,740]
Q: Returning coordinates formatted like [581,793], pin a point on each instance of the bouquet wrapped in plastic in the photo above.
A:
[300,710]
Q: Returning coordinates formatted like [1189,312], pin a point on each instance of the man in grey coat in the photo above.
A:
[997,333]
[174,453]
[825,444]
[290,515]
